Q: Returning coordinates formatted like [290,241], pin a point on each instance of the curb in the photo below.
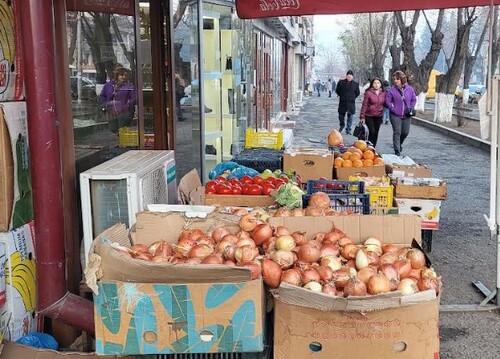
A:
[459,136]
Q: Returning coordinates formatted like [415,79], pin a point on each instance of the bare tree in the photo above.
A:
[419,74]
[380,31]
[446,84]
[495,49]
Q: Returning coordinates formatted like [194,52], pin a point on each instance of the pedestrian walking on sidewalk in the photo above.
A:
[387,114]
[347,90]
[400,99]
[372,109]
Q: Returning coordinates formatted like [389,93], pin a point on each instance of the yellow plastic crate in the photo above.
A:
[128,137]
[380,196]
[254,139]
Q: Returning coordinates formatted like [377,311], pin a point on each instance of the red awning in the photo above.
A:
[251,9]
[122,7]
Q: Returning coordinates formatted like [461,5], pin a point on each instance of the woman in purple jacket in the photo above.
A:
[400,99]
[118,97]
[372,109]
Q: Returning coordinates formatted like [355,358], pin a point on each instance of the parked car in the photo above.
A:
[475,92]
[88,88]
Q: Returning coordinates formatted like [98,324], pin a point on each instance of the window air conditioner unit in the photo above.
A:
[114,191]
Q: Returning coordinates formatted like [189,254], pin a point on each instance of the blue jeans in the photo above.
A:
[342,121]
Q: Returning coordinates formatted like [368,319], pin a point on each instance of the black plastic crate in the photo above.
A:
[335,187]
[357,203]
[260,159]
[340,149]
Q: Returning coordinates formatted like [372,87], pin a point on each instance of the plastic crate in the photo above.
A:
[255,139]
[128,137]
[260,159]
[357,203]
[340,149]
[335,187]
[380,196]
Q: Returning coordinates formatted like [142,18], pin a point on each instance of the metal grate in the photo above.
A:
[109,203]
[154,187]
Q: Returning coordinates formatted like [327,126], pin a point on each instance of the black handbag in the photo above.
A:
[361,131]
[411,112]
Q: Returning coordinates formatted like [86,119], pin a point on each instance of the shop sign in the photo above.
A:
[249,9]
[123,7]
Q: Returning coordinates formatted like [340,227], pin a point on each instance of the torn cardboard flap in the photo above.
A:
[396,229]
[301,297]
[186,185]
[13,350]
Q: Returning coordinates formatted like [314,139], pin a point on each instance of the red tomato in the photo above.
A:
[268,183]
[224,189]
[245,187]
[258,180]
[246,179]
[334,186]
[278,183]
[234,181]
[284,178]
[212,184]
[210,190]
[323,179]
[266,189]
[221,179]
[236,190]
[254,189]
[270,180]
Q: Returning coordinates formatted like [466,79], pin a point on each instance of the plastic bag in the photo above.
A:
[39,340]
[222,168]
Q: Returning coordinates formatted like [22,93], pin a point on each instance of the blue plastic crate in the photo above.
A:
[358,203]
[335,187]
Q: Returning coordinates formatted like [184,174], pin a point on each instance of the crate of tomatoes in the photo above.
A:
[244,192]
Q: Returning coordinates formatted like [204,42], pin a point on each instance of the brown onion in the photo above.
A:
[391,273]
[229,263]
[139,247]
[229,253]
[329,289]
[184,246]
[427,273]
[320,200]
[318,237]
[212,259]
[193,234]
[177,260]
[255,269]
[245,254]
[222,245]
[349,251]
[285,242]
[415,273]
[365,273]
[335,263]
[239,211]
[388,258]
[325,273]
[292,276]
[285,259]
[309,275]
[309,252]
[262,233]
[248,222]
[282,212]
[297,212]
[299,237]
[378,284]
[218,233]
[313,286]
[145,256]
[340,277]
[333,236]
[242,234]
[428,283]
[205,239]
[329,250]
[373,258]
[200,251]
[301,266]
[161,248]
[281,231]
[389,248]
[402,251]
[403,266]
[407,286]
[232,238]
[246,242]
[344,241]
[271,273]
[354,288]
[313,211]
[416,257]
[269,245]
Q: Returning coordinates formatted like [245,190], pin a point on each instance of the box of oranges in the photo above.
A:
[359,160]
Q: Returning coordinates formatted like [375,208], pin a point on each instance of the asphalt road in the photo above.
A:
[462,249]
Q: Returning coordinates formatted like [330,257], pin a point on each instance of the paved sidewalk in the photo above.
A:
[462,249]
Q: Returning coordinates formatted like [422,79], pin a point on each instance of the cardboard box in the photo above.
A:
[428,210]
[408,171]
[409,332]
[424,192]
[147,308]
[18,314]
[343,173]
[310,164]
[12,350]
[16,205]
[389,326]
[11,65]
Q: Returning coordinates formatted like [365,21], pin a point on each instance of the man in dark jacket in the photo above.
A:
[347,90]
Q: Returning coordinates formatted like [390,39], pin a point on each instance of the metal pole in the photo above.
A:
[79,55]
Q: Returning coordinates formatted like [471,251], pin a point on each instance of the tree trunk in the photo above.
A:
[495,49]
[447,83]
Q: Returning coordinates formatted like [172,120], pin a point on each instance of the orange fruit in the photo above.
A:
[371,148]
[346,155]
[338,162]
[378,162]
[367,162]
[357,163]
[354,156]
[352,149]
[360,144]
[368,155]
[347,163]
